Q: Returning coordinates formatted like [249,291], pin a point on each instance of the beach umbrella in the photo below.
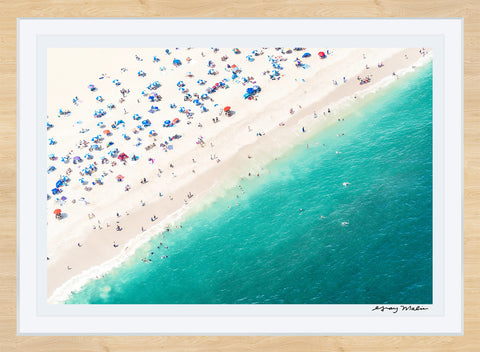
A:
[91,87]
[141,73]
[146,123]
[76,158]
[211,71]
[167,122]
[182,109]
[88,156]
[99,98]
[236,51]
[204,109]
[321,54]
[106,132]
[176,62]
[136,117]
[201,81]
[226,108]
[120,121]
[306,55]
[120,177]
[57,211]
[55,191]
[180,84]
[250,90]
[100,124]
[204,96]
[156,59]
[116,82]
[63,198]
[196,101]
[256,88]
[172,106]
[59,183]
[177,120]
[109,144]
[189,74]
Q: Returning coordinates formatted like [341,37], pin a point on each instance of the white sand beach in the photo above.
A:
[126,174]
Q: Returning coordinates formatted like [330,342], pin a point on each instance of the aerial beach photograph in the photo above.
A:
[268,175]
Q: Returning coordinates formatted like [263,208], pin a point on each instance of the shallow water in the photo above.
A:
[266,250]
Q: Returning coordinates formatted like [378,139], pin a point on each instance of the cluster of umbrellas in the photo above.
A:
[99,113]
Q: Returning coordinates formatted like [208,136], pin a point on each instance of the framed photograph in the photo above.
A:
[240,176]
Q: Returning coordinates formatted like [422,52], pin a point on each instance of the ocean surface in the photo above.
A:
[298,234]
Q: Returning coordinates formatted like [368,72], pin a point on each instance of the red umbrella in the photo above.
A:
[57,211]
[106,132]
[226,108]
[321,54]
[120,177]
[177,120]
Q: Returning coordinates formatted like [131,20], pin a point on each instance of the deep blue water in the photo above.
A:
[265,250]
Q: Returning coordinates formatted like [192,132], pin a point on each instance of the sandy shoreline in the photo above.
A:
[231,141]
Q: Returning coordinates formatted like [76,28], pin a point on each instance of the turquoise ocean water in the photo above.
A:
[266,250]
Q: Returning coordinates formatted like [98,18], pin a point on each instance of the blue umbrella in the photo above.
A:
[306,55]
[120,121]
[136,117]
[59,183]
[204,96]
[172,106]
[204,109]
[182,109]
[201,81]
[100,124]
[146,123]
[152,132]
[211,71]
[180,84]
[177,62]
[250,90]
[167,122]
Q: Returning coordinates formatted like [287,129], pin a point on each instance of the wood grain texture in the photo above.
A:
[10,10]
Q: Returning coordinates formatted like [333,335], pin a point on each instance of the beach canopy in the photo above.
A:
[226,108]
[57,211]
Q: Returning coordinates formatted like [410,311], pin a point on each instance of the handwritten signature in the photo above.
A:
[400,308]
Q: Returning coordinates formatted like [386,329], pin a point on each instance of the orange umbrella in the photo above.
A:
[106,132]
[177,120]
[57,211]
[226,108]
[120,177]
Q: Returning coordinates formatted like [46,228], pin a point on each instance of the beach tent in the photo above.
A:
[306,55]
